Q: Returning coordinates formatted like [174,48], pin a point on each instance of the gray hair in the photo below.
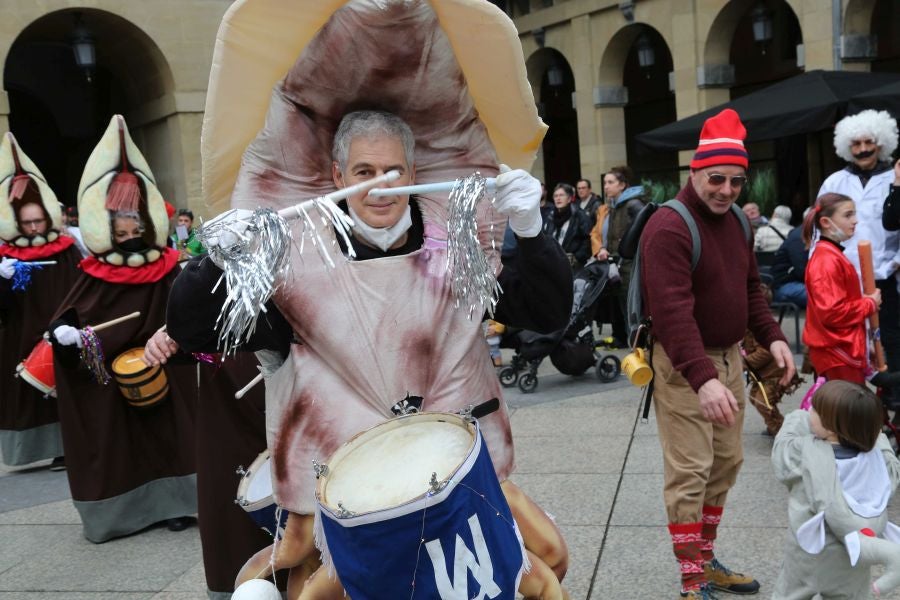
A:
[370,123]
[127,214]
[782,212]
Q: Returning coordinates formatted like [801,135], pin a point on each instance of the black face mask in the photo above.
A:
[133,245]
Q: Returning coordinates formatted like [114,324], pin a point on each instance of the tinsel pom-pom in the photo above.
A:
[250,267]
[472,279]
[22,277]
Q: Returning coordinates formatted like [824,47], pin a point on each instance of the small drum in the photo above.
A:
[254,494]
[141,385]
[403,502]
[37,369]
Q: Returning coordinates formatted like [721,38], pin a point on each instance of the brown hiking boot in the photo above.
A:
[704,592]
[722,578]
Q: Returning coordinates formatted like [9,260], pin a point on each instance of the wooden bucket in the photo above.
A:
[141,385]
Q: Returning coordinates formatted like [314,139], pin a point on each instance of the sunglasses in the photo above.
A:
[34,223]
[737,181]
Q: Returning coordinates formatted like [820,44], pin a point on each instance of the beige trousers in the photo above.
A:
[701,460]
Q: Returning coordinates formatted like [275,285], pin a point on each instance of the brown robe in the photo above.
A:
[29,426]
[128,468]
[230,433]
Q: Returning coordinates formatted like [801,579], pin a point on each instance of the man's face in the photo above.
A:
[560,198]
[865,153]
[751,210]
[612,187]
[370,157]
[719,186]
[32,220]
[185,221]
[583,190]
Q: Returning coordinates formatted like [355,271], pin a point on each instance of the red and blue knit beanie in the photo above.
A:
[722,142]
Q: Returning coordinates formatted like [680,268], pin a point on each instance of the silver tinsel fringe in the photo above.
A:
[250,268]
[254,266]
[472,279]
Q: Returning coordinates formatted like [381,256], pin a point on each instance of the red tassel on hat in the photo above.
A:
[19,185]
[124,191]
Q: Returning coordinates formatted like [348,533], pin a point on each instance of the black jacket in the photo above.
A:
[577,239]
[790,259]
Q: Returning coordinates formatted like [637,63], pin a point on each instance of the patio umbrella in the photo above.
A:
[808,102]
[886,97]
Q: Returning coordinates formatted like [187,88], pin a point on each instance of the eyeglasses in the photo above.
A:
[737,181]
[33,223]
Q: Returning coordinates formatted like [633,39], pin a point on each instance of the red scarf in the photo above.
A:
[146,273]
[60,244]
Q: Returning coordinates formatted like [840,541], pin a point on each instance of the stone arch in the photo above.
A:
[58,115]
[858,17]
[553,82]
[720,33]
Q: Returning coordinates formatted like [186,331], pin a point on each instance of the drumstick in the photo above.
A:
[38,262]
[240,393]
[868,278]
[429,188]
[293,212]
[116,321]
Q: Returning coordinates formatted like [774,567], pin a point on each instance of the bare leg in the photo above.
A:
[294,548]
[300,574]
[321,586]
[541,583]
[539,532]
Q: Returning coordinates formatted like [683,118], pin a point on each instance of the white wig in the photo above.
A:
[875,124]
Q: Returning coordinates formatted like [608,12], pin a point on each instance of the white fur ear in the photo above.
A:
[851,543]
[811,535]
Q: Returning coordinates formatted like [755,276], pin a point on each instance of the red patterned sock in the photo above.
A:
[686,540]
[711,517]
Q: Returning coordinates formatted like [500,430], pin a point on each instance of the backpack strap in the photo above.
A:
[679,207]
[745,222]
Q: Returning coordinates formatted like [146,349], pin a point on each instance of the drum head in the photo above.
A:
[393,463]
[260,486]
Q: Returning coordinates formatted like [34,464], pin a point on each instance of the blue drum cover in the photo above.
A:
[265,518]
[463,546]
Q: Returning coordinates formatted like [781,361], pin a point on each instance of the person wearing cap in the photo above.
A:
[699,317]
[866,141]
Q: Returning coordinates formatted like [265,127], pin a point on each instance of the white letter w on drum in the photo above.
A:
[481,567]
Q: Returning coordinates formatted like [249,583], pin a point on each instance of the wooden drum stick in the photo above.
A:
[868,279]
[106,324]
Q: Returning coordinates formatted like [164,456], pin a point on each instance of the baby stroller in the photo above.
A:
[572,350]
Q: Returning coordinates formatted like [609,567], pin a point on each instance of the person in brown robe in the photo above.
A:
[128,467]
[29,225]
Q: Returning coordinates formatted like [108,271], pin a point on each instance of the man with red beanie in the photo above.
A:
[698,317]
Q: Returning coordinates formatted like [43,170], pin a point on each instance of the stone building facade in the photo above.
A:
[602,71]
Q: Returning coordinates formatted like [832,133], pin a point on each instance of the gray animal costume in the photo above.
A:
[838,516]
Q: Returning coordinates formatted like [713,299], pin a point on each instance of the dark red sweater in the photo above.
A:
[715,305]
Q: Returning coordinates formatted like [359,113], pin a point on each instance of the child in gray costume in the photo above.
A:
[840,471]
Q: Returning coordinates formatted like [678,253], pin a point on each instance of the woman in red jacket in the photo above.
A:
[835,315]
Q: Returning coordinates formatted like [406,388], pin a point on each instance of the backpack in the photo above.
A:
[639,322]
[637,319]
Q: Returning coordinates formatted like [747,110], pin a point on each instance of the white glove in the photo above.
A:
[231,225]
[67,335]
[518,196]
[8,268]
